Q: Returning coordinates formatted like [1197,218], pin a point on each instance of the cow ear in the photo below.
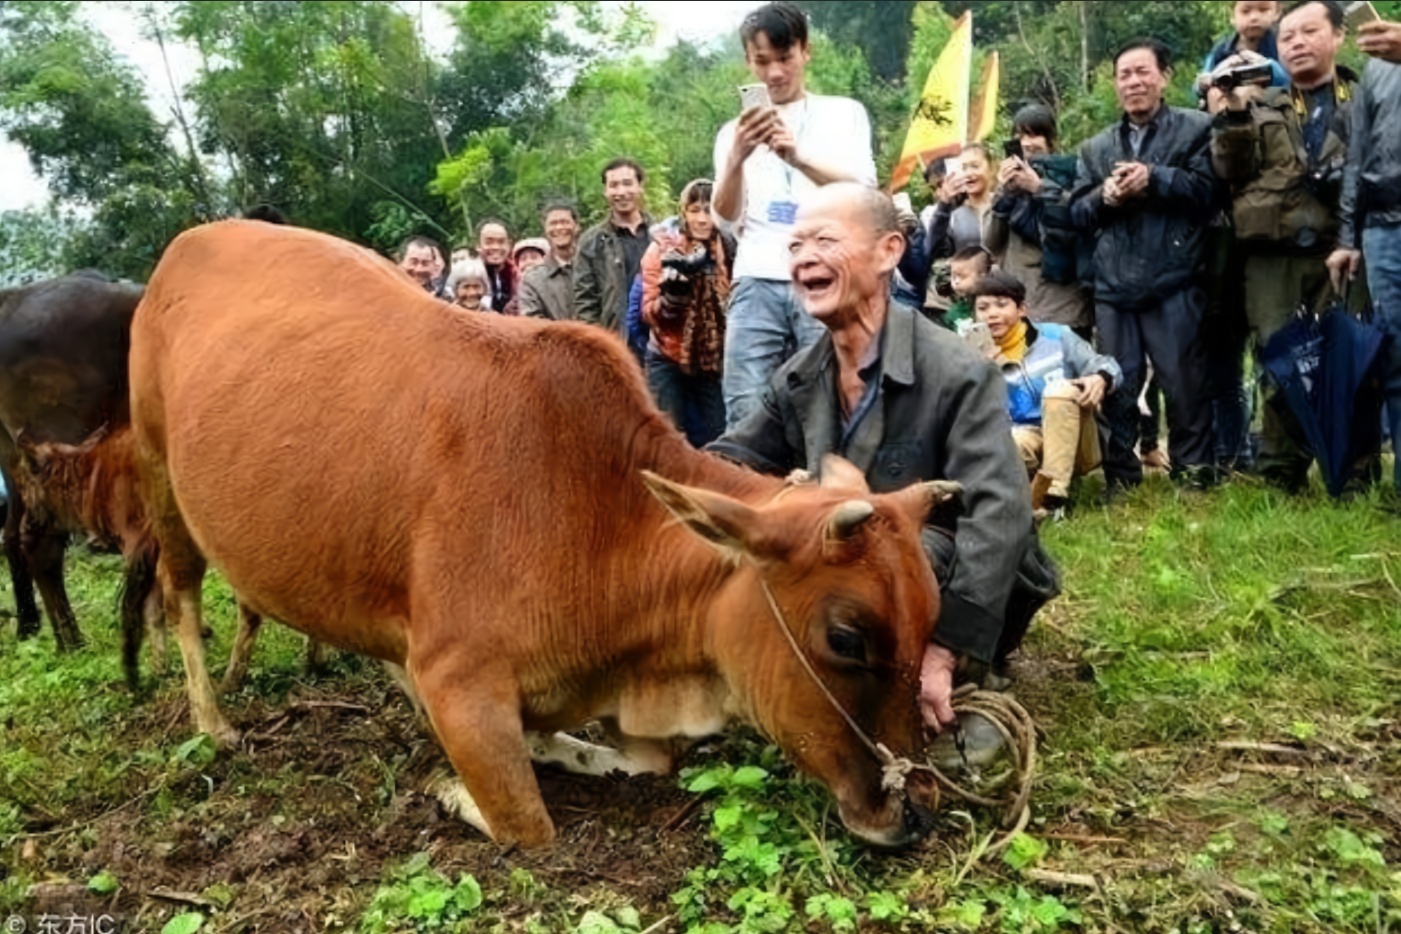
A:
[842,476]
[726,523]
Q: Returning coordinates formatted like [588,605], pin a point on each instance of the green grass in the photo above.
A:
[1218,690]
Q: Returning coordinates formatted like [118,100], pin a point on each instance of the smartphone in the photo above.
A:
[1360,13]
[1012,149]
[953,165]
[754,95]
[902,203]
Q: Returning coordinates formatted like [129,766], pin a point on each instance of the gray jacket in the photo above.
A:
[940,413]
[547,291]
[1372,180]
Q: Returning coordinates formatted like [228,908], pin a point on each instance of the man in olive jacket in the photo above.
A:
[610,253]
[905,401]
[1283,151]
[1146,192]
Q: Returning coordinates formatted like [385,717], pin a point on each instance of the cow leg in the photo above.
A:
[638,757]
[317,654]
[405,684]
[138,586]
[45,548]
[479,726]
[21,580]
[182,581]
[249,623]
[154,615]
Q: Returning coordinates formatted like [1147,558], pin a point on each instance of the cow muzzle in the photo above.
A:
[906,819]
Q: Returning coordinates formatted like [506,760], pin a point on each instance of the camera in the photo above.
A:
[1243,75]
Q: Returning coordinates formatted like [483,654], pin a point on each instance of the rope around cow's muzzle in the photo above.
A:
[1008,717]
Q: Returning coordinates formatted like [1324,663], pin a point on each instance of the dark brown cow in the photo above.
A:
[496,505]
[63,376]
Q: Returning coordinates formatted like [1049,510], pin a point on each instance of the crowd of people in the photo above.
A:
[1030,324]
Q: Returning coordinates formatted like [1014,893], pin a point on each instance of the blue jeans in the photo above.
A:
[1382,248]
[692,401]
[765,325]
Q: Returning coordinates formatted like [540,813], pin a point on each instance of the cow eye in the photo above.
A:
[846,643]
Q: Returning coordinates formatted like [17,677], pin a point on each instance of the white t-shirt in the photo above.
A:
[833,130]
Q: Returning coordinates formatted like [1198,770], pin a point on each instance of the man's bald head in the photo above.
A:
[845,247]
[872,207]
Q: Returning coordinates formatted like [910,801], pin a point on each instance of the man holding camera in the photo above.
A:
[1145,192]
[1284,150]
[1371,201]
[765,163]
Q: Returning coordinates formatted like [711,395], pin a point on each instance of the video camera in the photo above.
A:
[1241,75]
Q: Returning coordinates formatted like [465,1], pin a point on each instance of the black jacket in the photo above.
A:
[1372,181]
[1153,245]
[940,414]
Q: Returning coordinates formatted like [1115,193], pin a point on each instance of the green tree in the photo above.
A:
[80,113]
[323,110]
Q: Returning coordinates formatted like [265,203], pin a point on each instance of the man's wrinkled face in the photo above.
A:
[1253,18]
[839,263]
[493,244]
[1139,82]
[419,262]
[561,229]
[999,313]
[623,189]
[1308,43]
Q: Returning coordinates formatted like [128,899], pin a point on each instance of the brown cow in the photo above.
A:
[92,490]
[497,506]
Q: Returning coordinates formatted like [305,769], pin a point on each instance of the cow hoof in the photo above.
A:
[457,801]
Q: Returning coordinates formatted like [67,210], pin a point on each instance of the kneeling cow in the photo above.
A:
[496,505]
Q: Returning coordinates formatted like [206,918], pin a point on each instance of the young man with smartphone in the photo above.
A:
[777,152]
[1371,202]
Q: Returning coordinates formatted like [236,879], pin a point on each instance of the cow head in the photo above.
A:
[853,586]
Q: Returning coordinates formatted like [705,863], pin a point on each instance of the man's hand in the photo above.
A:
[1016,175]
[1237,100]
[954,189]
[1343,266]
[1381,40]
[1133,178]
[1092,390]
[1112,197]
[936,687]
[784,144]
[755,128]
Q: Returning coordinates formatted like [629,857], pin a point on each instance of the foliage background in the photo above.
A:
[338,114]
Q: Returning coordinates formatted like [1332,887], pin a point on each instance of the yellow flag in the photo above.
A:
[984,115]
[940,123]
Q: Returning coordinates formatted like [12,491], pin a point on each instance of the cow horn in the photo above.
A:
[848,518]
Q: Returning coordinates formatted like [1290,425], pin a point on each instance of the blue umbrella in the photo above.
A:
[1327,368]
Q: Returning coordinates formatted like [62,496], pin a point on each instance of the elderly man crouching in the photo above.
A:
[905,401]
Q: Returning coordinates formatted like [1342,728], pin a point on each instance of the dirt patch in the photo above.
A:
[295,830]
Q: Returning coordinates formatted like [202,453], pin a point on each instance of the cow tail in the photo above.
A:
[139,581]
